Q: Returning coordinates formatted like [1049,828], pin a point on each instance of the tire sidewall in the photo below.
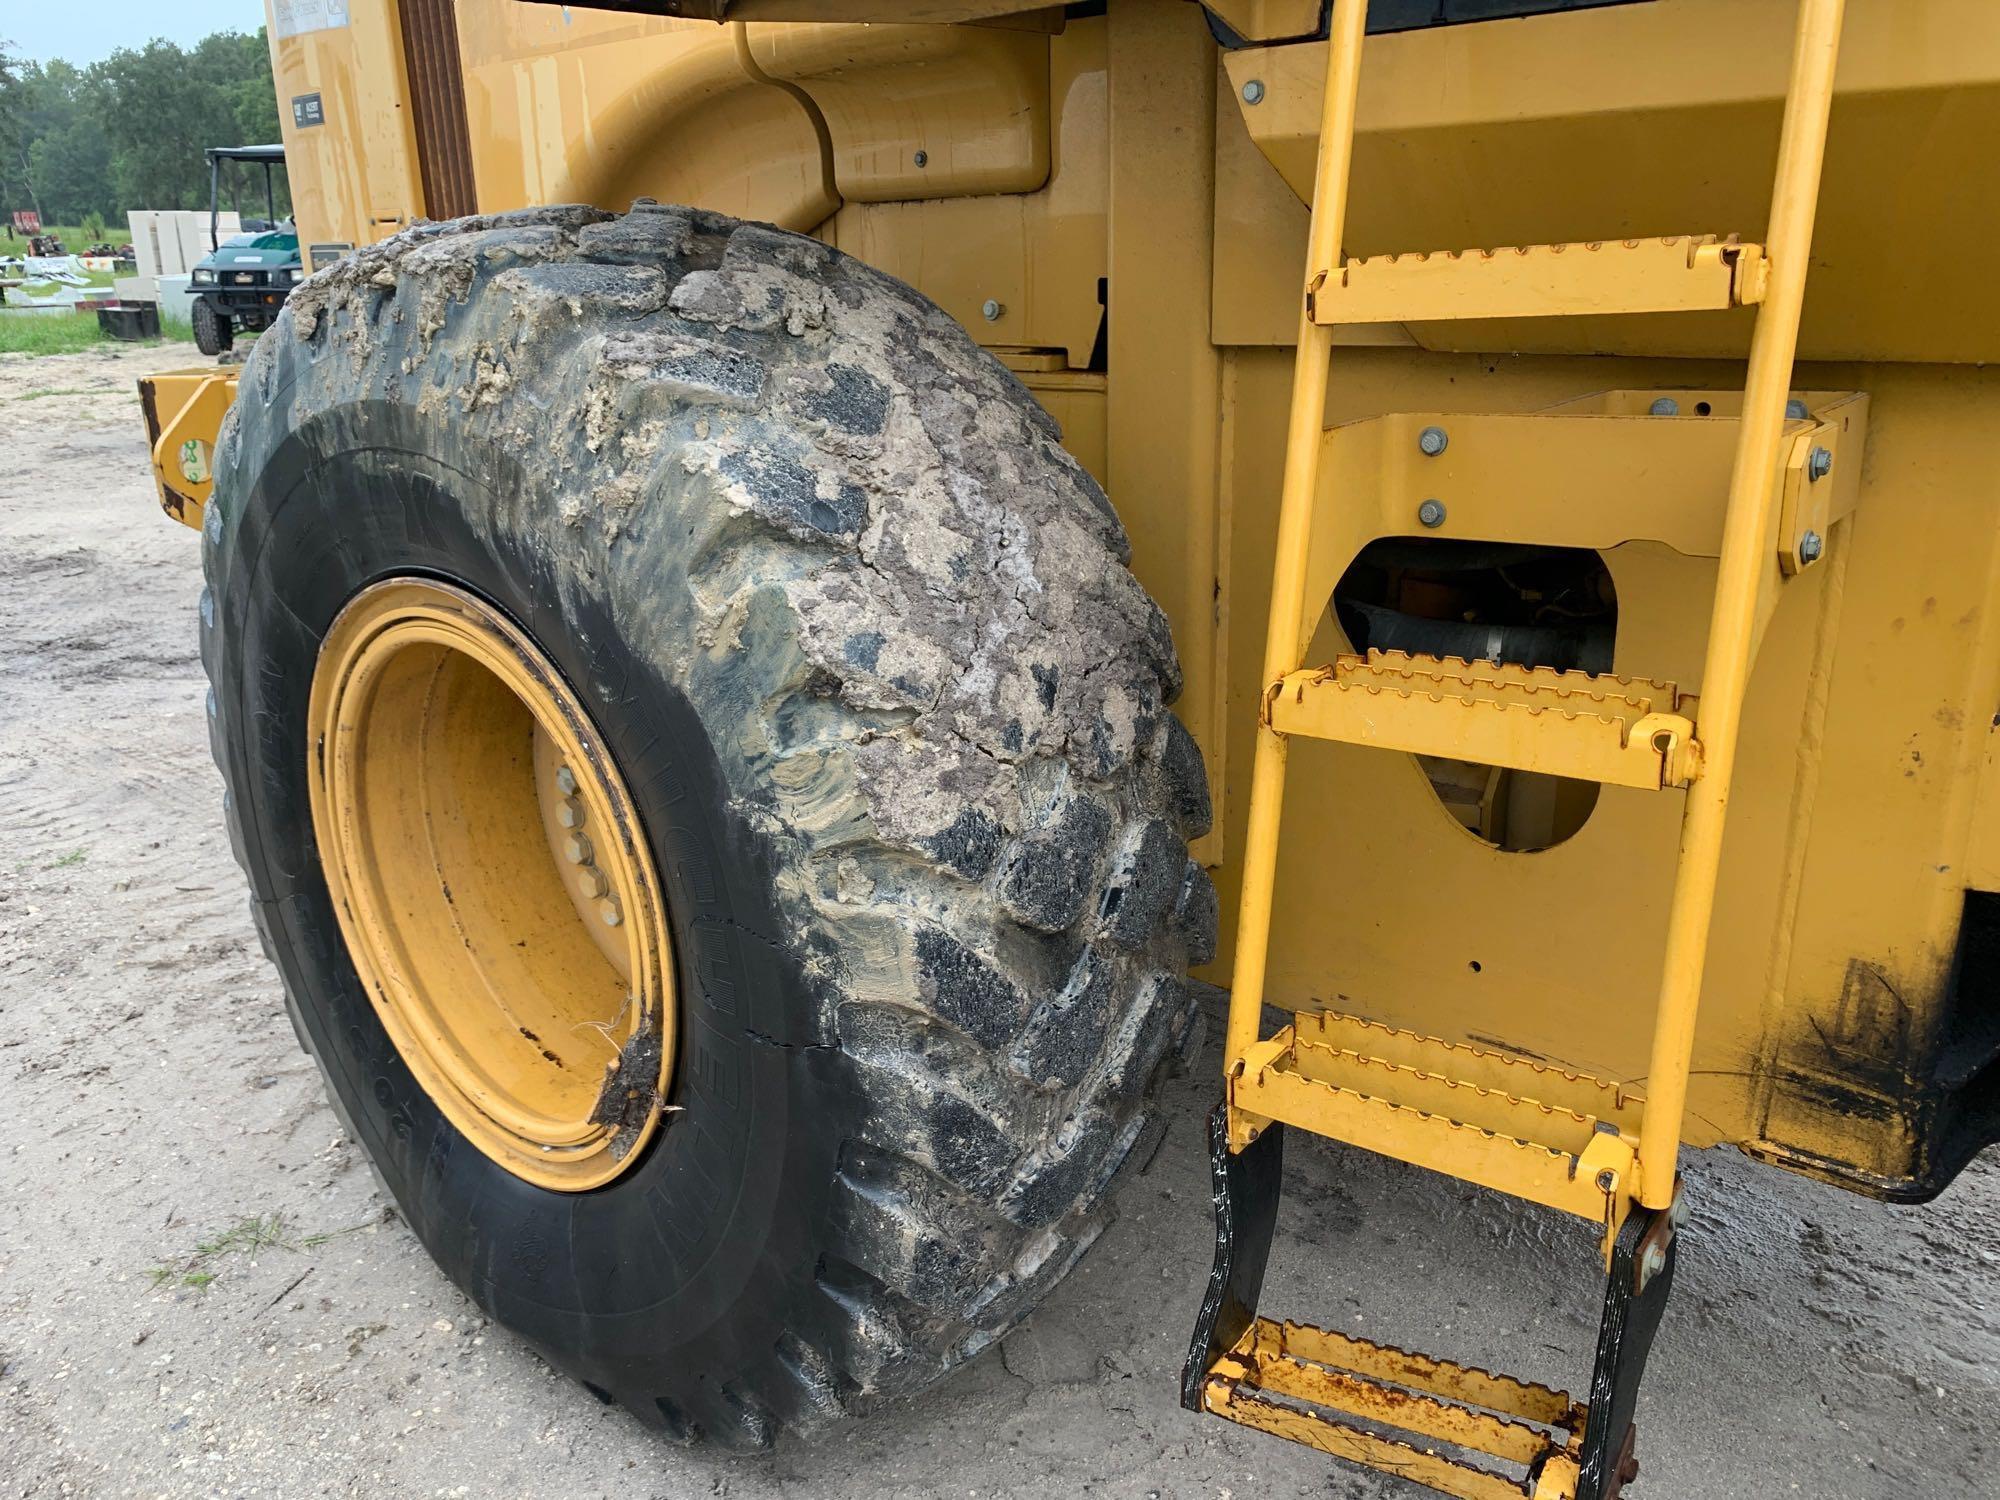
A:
[691,1263]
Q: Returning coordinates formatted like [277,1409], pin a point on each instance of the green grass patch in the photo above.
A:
[254,1233]
[49,333]
[71,333]
[200,1267]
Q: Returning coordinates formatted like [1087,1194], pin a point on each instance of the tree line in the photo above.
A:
[78,144]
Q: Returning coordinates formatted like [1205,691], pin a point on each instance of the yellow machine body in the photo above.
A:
[1115,205]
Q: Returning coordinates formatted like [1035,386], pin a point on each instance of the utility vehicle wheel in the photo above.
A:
[213,333]
[704,774]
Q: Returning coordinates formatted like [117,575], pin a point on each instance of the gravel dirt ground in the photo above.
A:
[202,1292]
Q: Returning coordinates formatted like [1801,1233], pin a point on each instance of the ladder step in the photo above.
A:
[1477,1067]
[1623,731]
[1318,1377]
[1550,1154]
[1553,1126]
[1680,273]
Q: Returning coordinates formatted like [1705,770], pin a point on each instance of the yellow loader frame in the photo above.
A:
[1779,437]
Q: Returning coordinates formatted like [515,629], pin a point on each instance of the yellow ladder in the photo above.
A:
[1553,1138]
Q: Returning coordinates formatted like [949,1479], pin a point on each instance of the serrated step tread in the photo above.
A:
[1622,731]
[1672,273]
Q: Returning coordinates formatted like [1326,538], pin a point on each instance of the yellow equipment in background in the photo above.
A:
[184,411]
[1633,647]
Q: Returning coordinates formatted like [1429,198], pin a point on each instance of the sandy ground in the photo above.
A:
[203,1294]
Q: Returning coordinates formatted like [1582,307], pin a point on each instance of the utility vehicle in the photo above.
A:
[243,281]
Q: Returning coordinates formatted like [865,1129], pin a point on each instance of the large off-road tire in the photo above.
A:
[859,636]
[213,333]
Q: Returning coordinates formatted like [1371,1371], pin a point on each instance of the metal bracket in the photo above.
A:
[1822,481]
[1635,1298]
[184,411]
[1246,1186]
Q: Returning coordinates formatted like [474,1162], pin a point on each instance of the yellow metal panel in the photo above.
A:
[921,111]
[1075,398]
[1260,229]
[1163,423]
[1982,855]
[1591,473]
[596,107]
[1041,256]
[582,106]
[353,179]
[1629,120]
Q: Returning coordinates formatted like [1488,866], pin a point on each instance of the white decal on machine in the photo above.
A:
[293,17]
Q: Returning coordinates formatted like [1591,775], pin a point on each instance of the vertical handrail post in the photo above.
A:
[1295,508]
[1746,553]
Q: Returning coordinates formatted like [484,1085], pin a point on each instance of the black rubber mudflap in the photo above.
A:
[1246,1187]
[1624,1340]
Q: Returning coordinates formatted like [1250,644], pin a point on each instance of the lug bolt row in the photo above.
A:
[578,851]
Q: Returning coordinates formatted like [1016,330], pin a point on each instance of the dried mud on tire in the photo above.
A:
[725,469]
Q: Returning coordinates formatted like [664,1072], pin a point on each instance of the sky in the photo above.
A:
[41,30]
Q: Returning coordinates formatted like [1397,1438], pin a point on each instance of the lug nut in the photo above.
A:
[1810,547]
[1666,406]
[1651,1264]
[1819,464]
[592,880]
[1432,441]
[570,814]
[608,910]
[576,849]
[1431,513]
[1253,91]
[566,780]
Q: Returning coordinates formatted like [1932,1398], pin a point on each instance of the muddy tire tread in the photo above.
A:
[1047,929]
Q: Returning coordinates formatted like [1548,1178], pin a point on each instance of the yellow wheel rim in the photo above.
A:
[492,882]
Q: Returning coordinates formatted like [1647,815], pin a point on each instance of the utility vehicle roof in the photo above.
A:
[247,153]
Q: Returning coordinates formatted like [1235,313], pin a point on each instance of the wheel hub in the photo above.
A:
[492,882]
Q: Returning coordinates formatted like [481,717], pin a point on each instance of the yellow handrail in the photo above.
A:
[1295,508]
[1746,551]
